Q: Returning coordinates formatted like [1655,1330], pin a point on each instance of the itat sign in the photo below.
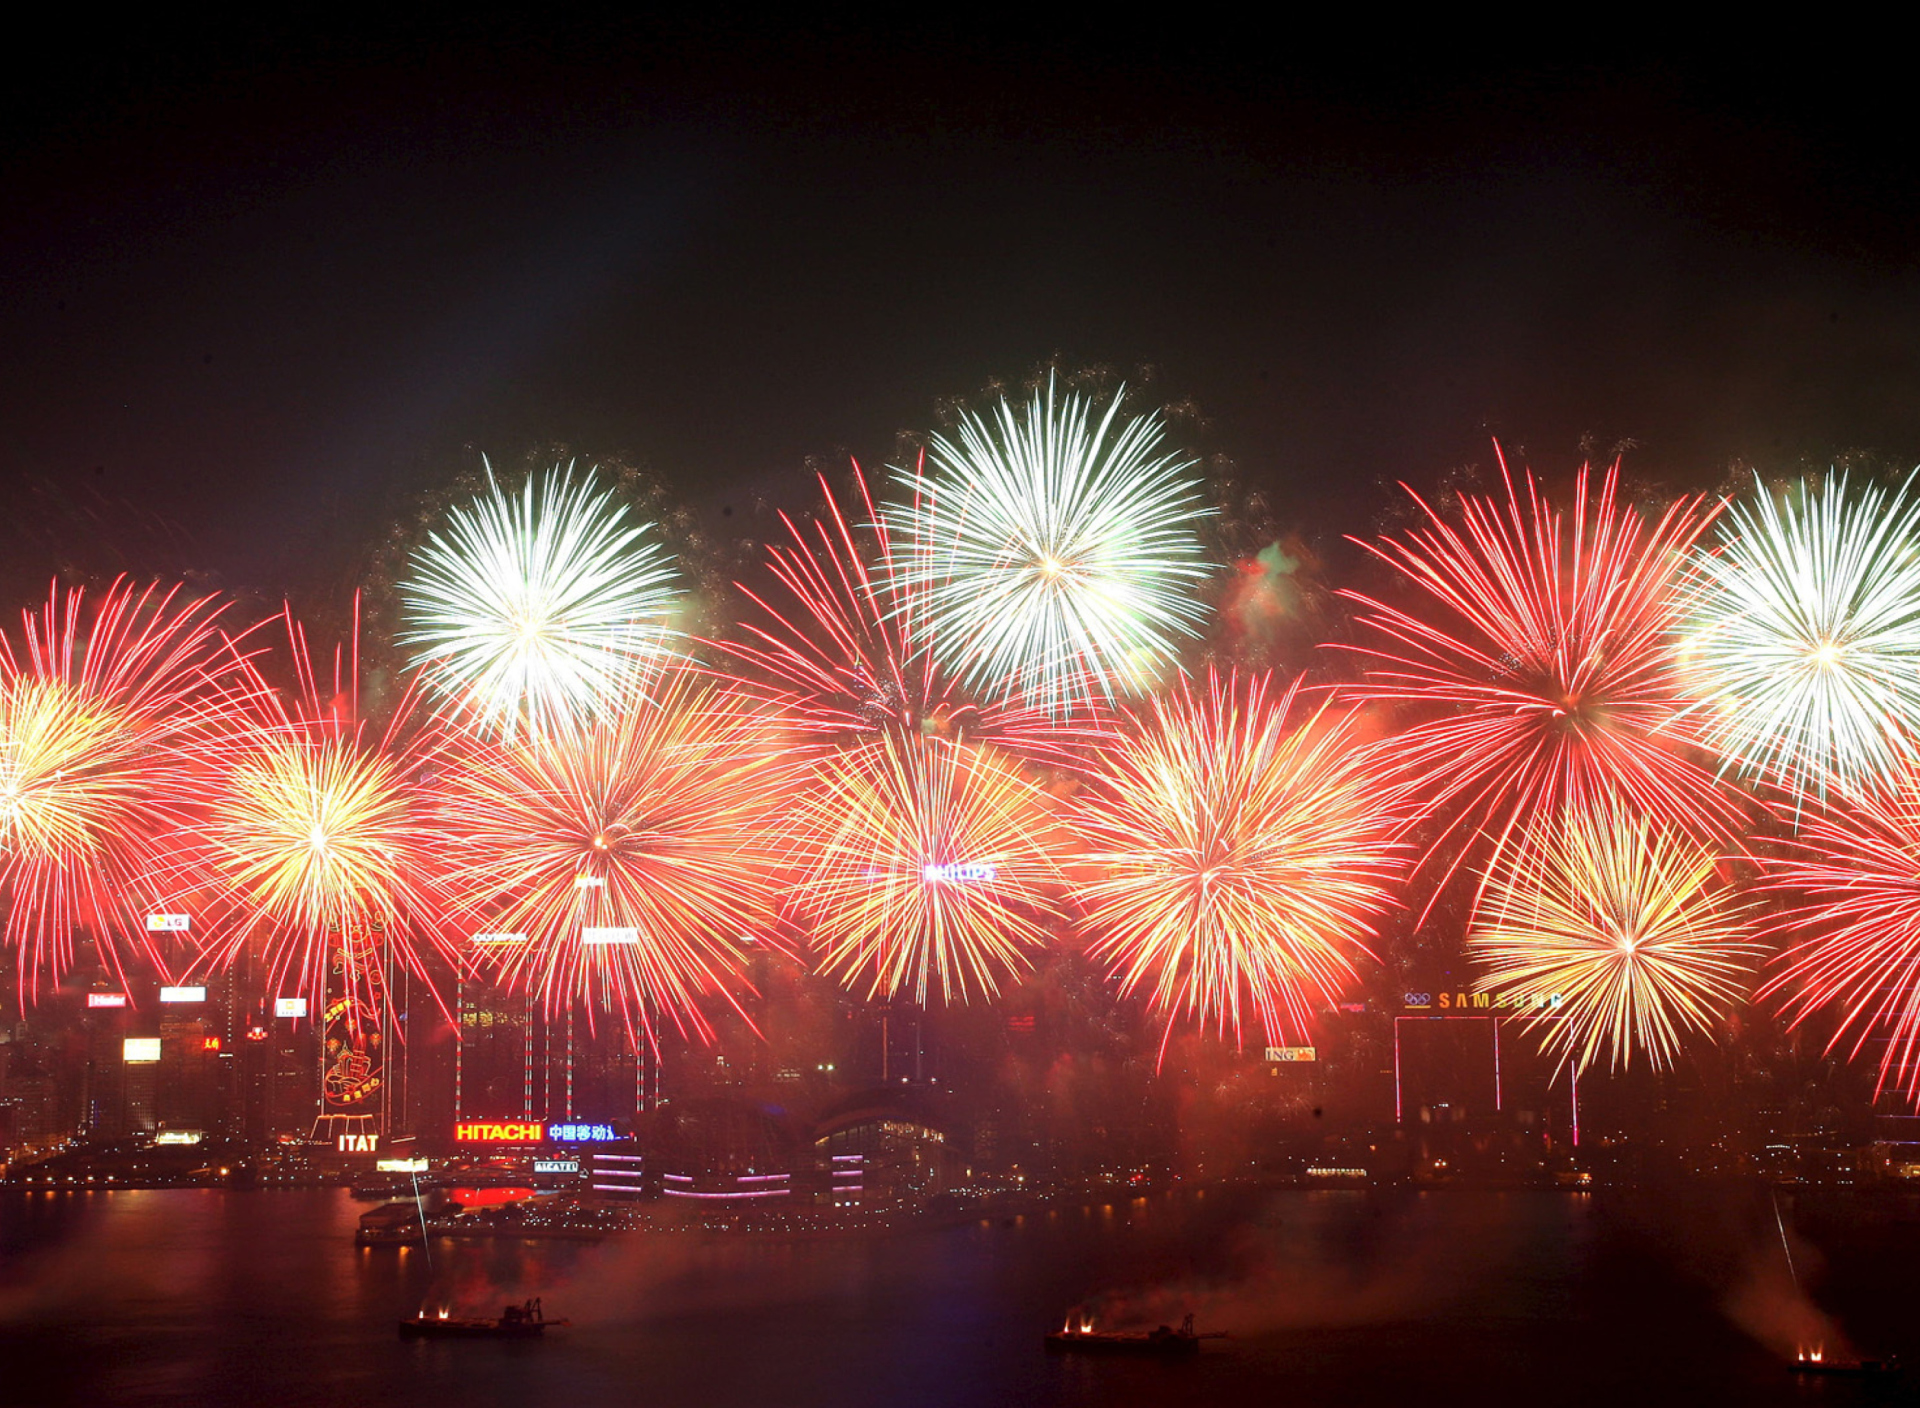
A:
[358,1143]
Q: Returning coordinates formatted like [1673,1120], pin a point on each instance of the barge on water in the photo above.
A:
[1163,1340]
[516,1322]
[1818,1363]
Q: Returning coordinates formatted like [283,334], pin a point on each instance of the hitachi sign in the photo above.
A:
[499,1132]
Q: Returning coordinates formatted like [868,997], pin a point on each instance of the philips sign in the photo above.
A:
[969,873]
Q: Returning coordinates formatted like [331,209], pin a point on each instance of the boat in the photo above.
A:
[1818,1362]
[516,1322]
[1164,1339]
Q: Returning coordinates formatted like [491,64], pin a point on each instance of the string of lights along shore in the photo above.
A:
[1655,762]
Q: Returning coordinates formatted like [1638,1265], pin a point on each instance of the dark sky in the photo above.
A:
[256,289]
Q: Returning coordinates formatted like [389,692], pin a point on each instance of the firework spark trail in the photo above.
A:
[1242,848]
[532,610]
[103,717]
[922,864]
[315,837]
[1848,899]
[1054,555]
[654,819]
[1627,921]
[846,660]
[1548,666]
[1803,636]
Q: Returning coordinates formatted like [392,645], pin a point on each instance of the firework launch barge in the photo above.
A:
[516,1322]
[1163,1341]
[1815,1362]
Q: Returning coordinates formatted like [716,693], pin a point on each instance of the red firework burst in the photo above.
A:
[624,864]
[848,657]
[1239,851]
[1540,663]
[104,712]
[1850,883]
[316,846]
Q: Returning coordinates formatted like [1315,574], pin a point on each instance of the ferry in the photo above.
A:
[1814,1361]
[1164,1340]
[516,1322]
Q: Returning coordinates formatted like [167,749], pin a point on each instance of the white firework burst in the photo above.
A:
[1804,636]
[1053,550]
[531,610]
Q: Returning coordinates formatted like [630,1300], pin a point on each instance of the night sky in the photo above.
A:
[258,291]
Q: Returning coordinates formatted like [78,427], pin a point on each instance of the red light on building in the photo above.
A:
[499,1132]
[488,1197]
[209,1043]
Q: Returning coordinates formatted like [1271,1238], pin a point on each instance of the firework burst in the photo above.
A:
[625,864]
[1541,657]
[103,714]
[922,865]
[532,610]
[1240,851]
[845,659]
[1054,553]
[315,845]
[1804,635]
[1622,927]
[1850,899]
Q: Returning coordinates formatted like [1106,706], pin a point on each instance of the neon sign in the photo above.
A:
[499,1132]
[609,936]
[193,994]
[357,1143]
[532,1132]
[581,1133]
[1482,1001]
[168,923]
[499,938]
[140,1050]
[556,1165]
[209,1043]
[959,873]
[106,999]
[1280,1055]
[289,1007]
